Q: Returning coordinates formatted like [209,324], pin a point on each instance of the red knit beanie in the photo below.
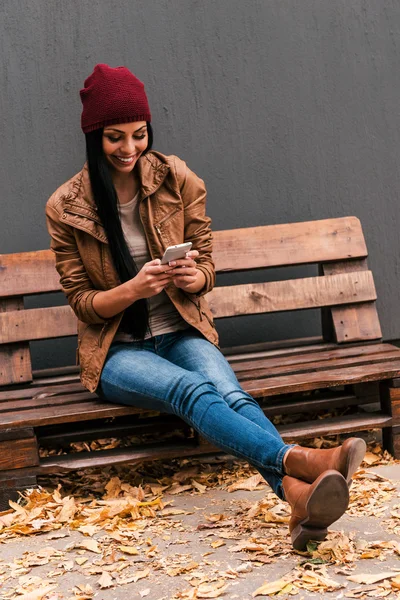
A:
[112,96]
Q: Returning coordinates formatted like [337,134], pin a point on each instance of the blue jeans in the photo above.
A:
[183,374]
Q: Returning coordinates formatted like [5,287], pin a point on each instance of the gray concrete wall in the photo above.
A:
[289,111]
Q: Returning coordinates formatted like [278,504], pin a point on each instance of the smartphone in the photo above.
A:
[175,252]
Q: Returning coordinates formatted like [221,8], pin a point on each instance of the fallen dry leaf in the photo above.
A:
[141,574]
[91,545]
[248,484]
[271,588]
[128,550]
[370,578]
[37,594]
[105,580]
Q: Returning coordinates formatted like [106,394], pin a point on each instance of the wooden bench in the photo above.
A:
[345,369]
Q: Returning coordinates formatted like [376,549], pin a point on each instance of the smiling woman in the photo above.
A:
[124,145]
[145,333]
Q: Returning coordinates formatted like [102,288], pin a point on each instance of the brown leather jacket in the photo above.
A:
[172,209]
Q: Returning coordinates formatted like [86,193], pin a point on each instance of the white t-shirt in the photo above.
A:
[163,316]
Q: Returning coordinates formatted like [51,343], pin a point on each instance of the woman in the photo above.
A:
[145,333]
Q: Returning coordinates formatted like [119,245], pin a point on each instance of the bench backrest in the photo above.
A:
[344,288]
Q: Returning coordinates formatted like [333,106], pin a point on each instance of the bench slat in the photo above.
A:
[354,322]
[287,384]
[297,431]
[15,359]
[326,240]
[334,425]
[289,244]
[25,273]
[371,354]
[295,294]
[37,324]
[63,408]
[51,415]
[49,389]
[374,350]
[325,365]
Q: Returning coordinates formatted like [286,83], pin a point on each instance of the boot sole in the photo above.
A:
[326,505]
[355,457]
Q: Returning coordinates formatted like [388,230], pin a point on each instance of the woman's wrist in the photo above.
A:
[111,302]
[130,292]
[198,285]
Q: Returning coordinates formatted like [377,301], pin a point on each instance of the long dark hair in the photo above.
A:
[136,316]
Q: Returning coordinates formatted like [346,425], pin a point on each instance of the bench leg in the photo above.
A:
[18,457]
[390,404]
[13,483]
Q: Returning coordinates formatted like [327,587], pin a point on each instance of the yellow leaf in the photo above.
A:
[370,458]
[268,589]
[217,544]
[113,488]
[88,529]
[37,594]
[105,580]
[68,510]
[91,545]
[369,578]
[141,574]
[212,590]
[396,582]
[128,550]
[249,484]
[199,486]
[81,560]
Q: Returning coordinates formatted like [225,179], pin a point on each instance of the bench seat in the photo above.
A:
[344,381]
[62,399]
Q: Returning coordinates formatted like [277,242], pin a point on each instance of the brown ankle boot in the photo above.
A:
[314,507]
[308,463]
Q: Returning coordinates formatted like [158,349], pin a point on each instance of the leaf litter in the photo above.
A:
[121,513]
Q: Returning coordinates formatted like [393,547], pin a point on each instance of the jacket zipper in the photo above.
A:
[158,226]
[102,334]
[197,305]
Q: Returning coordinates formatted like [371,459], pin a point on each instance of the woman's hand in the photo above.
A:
[186,275]
[152,278]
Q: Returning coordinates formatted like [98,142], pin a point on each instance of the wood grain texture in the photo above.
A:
[288,244]
[37,324]
[395,442]
[297,431]
[394,399]
[15,454]
[319,355]
[81,460]
[38,406]
[323,366]
[310,381]
[296,294]
[311,429]
[15,359]
[27,273]
[355,322]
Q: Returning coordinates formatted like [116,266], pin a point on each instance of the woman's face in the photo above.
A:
[124,143]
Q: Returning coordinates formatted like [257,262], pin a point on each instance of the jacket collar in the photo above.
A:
[152,171]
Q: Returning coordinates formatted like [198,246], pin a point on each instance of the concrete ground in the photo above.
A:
[189,554]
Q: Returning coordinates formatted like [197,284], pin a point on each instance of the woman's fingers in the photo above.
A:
[157,269]
[184,271]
